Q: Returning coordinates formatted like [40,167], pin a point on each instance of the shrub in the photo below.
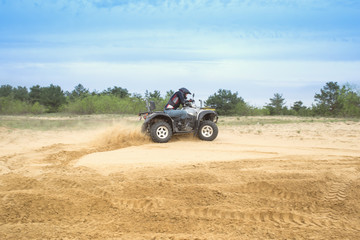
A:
[105,104]
[10,106]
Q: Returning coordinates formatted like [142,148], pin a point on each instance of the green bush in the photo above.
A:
[10,106]
[37,108]
[102,104]
[81,106]
[255,111]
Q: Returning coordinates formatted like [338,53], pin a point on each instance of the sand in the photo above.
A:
[298,180]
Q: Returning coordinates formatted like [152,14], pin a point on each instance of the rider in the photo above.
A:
[174,102]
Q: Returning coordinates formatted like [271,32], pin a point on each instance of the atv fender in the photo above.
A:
[159,116]
[208,115]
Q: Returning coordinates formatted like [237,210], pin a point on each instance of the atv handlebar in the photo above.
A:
[188,103]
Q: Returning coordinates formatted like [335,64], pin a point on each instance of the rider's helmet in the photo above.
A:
[185,91]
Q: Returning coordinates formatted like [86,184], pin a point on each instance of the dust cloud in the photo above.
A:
[119,136]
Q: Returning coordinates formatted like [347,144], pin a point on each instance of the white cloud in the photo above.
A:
[181,45]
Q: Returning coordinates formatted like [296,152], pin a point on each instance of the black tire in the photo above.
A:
[160,132]
[208,131]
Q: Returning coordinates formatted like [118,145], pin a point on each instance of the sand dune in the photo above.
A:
[299,180]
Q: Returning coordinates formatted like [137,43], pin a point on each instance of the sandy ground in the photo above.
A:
[265,181]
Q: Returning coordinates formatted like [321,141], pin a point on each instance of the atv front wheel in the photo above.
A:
[160,132]
[208,131]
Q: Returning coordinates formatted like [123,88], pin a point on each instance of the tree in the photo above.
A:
[297,106]
[136,96]
[225,102]
[52,97]
[79,92]
[276,105]
[169,94]
[35,94]
[6,90]
[349,99]
[327,100]
[155,95]
[299,109]
[117,91]
[21,93]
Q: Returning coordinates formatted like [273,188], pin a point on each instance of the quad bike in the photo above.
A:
[161,127]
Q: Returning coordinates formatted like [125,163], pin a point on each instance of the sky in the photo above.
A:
[253,47]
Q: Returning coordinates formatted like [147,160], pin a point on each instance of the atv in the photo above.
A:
[161,127]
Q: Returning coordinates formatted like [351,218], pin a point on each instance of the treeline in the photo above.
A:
[52,99]
[332,100]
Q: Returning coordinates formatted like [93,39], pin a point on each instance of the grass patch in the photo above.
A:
[45,122]
[266,120]
[48,122]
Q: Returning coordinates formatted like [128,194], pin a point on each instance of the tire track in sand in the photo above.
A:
[263,187]
[142,205]
[337,192]
[276,218]
[336,196]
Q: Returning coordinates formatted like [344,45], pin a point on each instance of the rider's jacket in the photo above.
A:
[175,100]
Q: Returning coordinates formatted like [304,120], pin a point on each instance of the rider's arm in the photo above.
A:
[182,99]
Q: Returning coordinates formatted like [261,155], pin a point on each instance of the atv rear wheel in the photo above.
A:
[208,131]
[160,132]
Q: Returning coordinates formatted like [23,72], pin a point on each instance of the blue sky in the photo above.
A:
[256,48]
